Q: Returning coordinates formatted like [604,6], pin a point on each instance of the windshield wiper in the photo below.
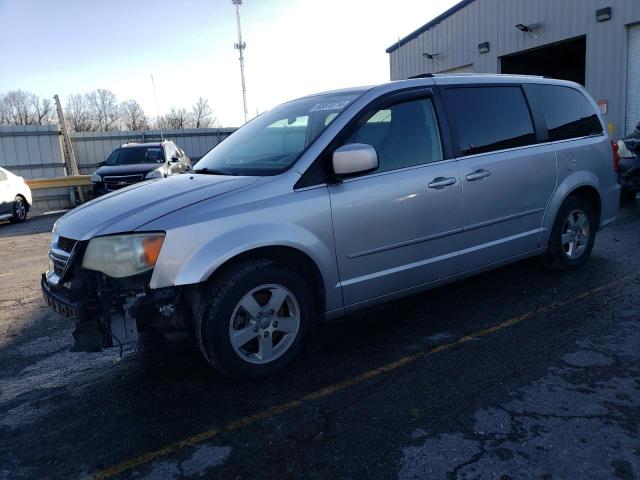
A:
[211,171]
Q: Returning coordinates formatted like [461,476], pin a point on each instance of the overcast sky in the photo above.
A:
[294,47]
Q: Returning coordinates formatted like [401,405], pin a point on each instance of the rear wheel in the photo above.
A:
[572,236]
[19,210]
[254,318]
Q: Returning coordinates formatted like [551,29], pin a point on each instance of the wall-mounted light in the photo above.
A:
[603,14]
[432,56]
[530,29]
[483,47]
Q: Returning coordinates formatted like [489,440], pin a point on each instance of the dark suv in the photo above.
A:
[135,162]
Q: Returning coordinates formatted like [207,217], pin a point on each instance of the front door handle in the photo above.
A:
[478,174]
[442,182]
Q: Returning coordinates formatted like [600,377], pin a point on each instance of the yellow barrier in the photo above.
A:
[70,181]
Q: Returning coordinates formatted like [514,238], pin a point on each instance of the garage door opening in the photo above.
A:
[563,60]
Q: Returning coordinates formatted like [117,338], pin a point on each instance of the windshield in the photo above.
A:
[272,142]
[134,155]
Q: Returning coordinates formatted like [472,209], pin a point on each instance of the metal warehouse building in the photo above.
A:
[593,42]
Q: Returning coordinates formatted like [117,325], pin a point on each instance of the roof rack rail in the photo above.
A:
[423,75]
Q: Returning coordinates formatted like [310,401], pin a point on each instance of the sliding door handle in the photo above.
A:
[442,182]
[477,175]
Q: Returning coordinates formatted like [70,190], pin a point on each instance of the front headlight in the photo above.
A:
[95,177]
[123,255]
[157,173]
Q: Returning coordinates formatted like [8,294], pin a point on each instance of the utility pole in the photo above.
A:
[69,155]
[241,46]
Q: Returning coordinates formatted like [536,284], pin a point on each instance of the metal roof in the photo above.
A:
[456,8]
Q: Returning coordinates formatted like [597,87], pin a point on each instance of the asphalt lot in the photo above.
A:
[517,373]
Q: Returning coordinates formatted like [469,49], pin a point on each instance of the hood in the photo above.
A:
[130,208]
[142,168]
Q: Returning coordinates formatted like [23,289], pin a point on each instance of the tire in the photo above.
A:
[20,209]
[565,256]
[627,195]
[222,314]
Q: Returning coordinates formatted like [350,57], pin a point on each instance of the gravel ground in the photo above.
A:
[516,373]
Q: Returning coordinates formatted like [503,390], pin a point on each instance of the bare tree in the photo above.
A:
[104,109]
[43,111]
[133,115]
[178,118]
[4,110]
[160,122]
[77,113]
[19,107]
[202,114]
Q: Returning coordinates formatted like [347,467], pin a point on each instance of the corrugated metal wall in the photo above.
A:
[36,152]
[456,38]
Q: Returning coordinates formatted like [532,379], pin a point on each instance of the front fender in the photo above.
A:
[202,262]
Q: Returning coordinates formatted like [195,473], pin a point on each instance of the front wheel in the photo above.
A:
[19,210]
[254,318]
[572,236]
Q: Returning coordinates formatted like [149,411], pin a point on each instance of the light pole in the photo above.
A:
[240,46]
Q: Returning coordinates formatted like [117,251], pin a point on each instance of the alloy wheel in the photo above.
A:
[576,234]
[264,323]
[20,209]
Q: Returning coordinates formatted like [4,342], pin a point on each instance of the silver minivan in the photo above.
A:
[336,202]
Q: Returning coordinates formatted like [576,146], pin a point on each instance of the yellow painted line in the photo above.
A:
[332,389]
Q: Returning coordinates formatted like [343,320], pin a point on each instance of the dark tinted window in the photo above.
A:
[134,155]
[567,112]
[490,118]
[404,135]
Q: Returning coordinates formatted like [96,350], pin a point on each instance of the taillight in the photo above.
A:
[616,155]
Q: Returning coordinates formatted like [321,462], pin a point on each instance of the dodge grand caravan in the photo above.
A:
[335,202]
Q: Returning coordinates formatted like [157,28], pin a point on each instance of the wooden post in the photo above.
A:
[69,155]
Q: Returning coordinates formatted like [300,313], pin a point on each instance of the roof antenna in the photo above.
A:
[155,99]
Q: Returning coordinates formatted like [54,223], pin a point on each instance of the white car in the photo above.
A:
[15,197]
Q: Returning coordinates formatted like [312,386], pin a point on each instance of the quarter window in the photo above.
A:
[404,135]
[490,118]
[3,175]
[567,112]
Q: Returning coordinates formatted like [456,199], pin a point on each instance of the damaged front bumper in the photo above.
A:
[111,312]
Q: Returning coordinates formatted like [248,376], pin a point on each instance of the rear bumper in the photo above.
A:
[610,203]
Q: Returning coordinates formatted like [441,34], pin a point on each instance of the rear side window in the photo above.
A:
[567,112]
[490,118]
[3,175]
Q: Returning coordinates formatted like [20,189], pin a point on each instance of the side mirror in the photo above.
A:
[354,158]
[175,159]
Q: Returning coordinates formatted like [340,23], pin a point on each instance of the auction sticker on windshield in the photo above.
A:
[330,106]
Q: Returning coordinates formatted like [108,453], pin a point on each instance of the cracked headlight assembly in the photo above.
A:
[122,256]
[157,173]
